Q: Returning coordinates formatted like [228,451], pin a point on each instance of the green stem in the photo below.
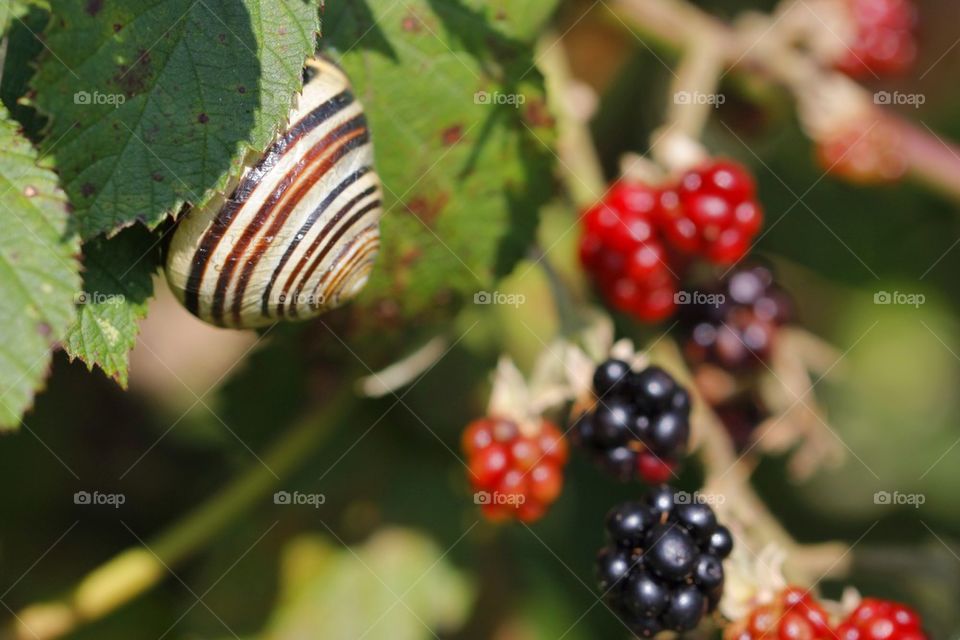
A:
[134,571]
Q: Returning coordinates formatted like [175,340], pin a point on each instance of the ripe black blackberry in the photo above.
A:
[734,323]
[639,425]
[663,567]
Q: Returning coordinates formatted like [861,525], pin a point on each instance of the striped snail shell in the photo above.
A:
[299,232]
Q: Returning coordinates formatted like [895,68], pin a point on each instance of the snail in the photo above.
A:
[298,233]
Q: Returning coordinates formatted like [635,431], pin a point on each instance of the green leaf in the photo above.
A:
[38,272]
[397,586]
[117,284]
[461,134]
[153,102]
[23,48]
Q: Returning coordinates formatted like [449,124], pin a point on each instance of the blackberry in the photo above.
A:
[662,568]
[734,323]
[640,424]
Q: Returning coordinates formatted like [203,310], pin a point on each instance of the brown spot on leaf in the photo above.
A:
[29,191]
[241,89]
[426,208]
[157,177]
[452,134]
[94,6]
[87,189]
[44,329]
[132,78]
[203,118]
[117,27]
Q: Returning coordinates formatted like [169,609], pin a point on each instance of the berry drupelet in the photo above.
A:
[875,619]
[515,475]
[793,613]
[736,328]
[662,569]
[639,424]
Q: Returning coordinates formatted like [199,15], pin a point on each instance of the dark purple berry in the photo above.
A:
[708,573]
[613,566]
[610,375]
[668,433]
[645,596]
[681,401]
[628,523]
[612,422]
[661,500]
[698,519]
[670,552]
[685,610]
[654,388]
[721,542]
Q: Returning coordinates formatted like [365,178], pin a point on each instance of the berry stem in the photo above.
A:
[134,571]
[728,474]
[692,99]
[931,159]
[579,163]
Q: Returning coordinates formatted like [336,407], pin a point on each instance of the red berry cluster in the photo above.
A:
[793,614]
[638,240]
[714,212]
[627,258]
[514,475]
[881,620]
[884,41]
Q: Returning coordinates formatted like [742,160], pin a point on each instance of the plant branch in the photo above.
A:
[727,473]
[675,24]
[134,571]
